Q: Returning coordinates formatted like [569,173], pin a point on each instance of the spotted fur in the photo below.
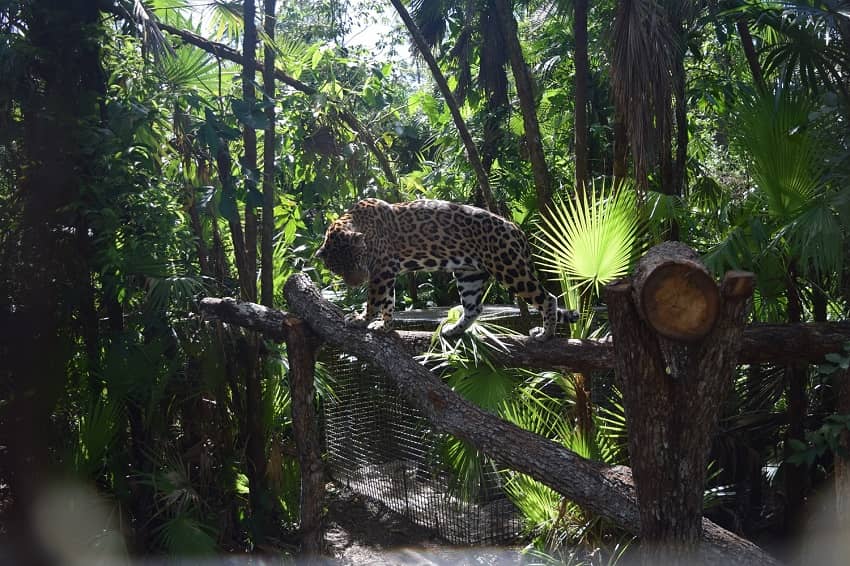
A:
[376,241]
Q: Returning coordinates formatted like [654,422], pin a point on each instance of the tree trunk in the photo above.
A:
[750,54]
[672,393]
[674,292]
[680,106]
[796,377]
[249,139]
[59,43]
[582,65]
[437,74]
[269,139]
[301,351]
[760,343]
[528,106]
[620,169]
[253,363]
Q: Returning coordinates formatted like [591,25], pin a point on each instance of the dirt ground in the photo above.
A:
[360,531]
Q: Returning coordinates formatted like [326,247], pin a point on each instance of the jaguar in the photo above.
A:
[375,241]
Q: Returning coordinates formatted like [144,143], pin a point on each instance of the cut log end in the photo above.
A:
[680,300]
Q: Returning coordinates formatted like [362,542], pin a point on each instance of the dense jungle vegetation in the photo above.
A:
[154,152]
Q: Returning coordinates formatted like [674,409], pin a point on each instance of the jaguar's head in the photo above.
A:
[344,253]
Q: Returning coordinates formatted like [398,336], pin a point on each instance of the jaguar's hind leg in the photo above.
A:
[470,287]
[520,280]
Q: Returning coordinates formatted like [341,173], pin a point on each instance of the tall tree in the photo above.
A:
[256,448]
[527,102]
[581,79]
[57,42]
[269,141]
[249,139]
[471,149]
[641,70]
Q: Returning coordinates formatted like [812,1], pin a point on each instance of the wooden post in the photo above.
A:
[301,346]
[676,341]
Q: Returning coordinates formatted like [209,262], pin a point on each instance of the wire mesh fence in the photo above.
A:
[381,447]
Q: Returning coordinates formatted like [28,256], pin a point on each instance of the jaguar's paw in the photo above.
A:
[540,334]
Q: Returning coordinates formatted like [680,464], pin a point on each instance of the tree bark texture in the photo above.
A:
[269,139]
[249,139]
[680,110]
[528,107]
[672,393]
[603,490]
[301,348]
[796,377]
[451,103]
[620,169]
[581,81]
[256,438]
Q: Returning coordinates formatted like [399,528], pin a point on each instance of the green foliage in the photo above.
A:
[828,438]
[777,137]
[836,362]
[591,242]
[96,434]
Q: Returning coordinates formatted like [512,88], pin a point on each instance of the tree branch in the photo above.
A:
[761,343]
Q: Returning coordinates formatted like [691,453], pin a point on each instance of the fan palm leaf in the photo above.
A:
[805,41]
[784,159]
[591,241]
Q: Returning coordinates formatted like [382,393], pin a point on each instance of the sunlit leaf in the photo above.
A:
[592,241]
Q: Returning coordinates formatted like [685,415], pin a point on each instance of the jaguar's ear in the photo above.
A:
[357,238]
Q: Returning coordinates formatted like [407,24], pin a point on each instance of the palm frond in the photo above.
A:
[145,21]
[430,18]
[592,241]
[817,238]
[97,429]
[225,19]
[190,67]
[177,289]
[774,133]
[806,44]
[641,78]
[184,535]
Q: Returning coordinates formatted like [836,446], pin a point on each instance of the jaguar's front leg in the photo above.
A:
[381,298]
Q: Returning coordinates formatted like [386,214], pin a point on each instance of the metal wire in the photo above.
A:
[382,448]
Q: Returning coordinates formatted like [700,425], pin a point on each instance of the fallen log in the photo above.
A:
[603,490]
